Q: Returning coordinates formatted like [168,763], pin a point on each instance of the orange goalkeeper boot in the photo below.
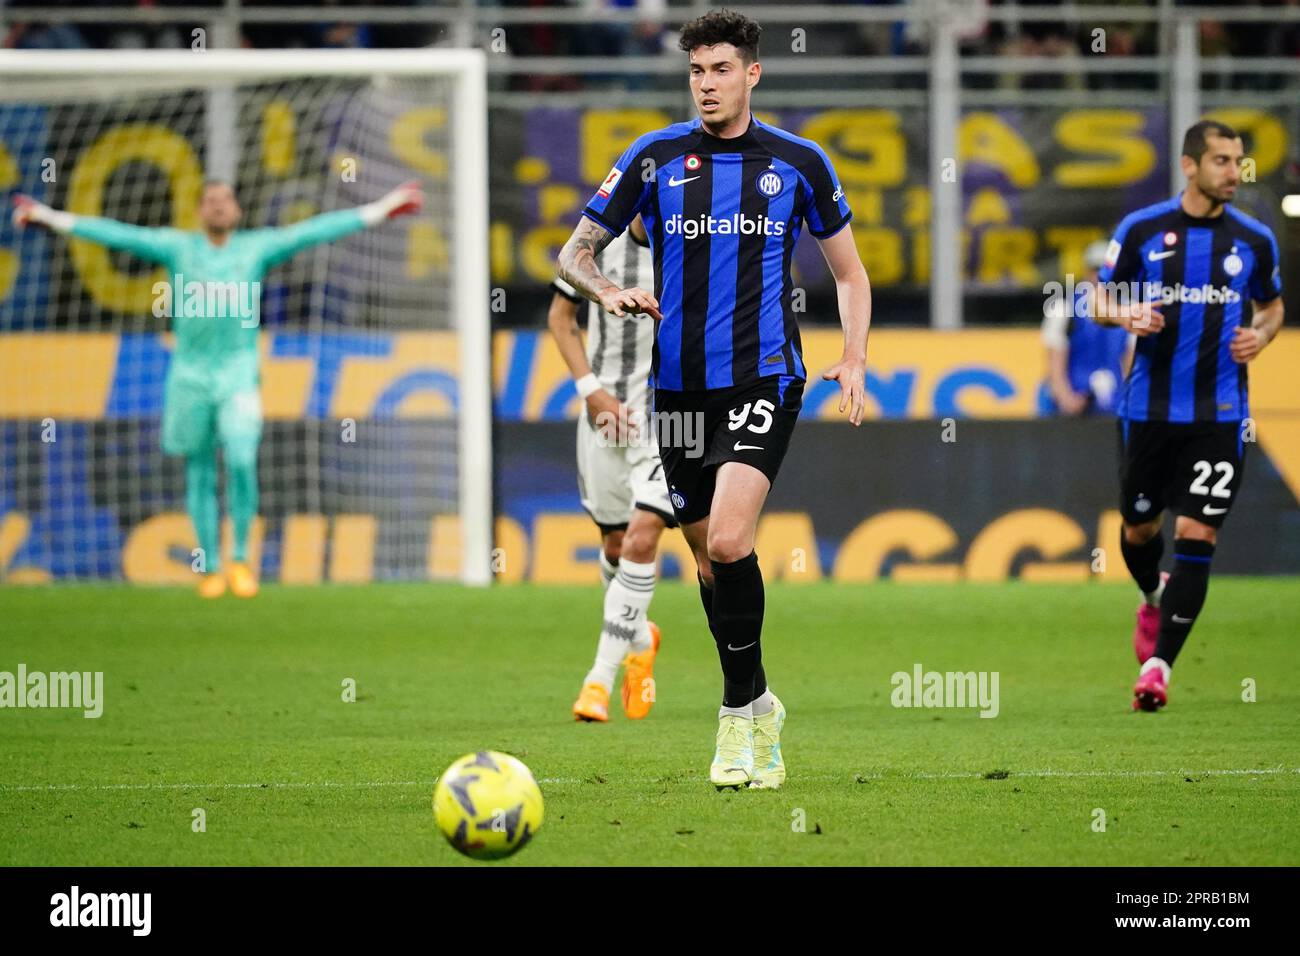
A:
[242,581]
[212,585]
[639,677]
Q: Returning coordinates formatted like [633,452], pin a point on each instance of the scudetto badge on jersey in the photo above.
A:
[1112,253]
[610,182]
[770,184]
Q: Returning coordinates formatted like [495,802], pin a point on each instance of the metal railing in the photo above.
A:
[1176,73]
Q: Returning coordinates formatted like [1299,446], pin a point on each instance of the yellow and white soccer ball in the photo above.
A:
[487,805]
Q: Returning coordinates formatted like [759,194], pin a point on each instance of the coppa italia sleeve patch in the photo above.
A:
[610,182]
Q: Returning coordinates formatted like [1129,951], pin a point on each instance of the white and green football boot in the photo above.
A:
[769,765]
[733,761]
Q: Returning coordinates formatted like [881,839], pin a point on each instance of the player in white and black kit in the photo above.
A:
[620,477]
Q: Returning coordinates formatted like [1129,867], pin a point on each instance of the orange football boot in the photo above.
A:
[639,677]
[592,704]
[212,585]
[242,581]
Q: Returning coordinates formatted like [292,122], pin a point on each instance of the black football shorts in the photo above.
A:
[1192,469]
[699,431]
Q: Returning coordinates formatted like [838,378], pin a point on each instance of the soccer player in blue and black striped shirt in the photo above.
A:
[1179,274]
[724,198]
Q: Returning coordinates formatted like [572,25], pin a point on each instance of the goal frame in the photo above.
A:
[469,234]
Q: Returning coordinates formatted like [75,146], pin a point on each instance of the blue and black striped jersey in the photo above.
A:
[723,217]
[1200,271]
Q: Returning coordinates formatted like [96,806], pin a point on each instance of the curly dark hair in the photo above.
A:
[722,26]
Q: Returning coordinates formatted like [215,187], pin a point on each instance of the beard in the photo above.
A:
[1219,194]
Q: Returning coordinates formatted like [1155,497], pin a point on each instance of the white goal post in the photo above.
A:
[272,123]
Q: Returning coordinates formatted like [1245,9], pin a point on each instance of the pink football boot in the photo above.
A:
[1150,693]
[1148,627]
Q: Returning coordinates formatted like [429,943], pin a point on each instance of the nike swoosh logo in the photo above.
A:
[1183,620]
[750,644]
[1214,511]
[679,182]
[1157,256]
[740,447]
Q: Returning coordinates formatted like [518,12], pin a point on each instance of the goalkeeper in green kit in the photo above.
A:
[211,396]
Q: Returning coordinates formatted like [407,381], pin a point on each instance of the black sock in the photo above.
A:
[706,598]
[1184,595]
[1143,560]
[737,627]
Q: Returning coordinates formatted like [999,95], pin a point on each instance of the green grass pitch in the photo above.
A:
[236,708]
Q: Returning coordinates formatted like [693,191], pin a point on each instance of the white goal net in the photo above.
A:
[375,462]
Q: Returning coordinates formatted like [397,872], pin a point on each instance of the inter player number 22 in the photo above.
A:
[1203,471]
[762,408]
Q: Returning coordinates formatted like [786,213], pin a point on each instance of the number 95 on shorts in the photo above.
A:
[698,431]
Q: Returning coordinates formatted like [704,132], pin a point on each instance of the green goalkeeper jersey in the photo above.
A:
[216,290]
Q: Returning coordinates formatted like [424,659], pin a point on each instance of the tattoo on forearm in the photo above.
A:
[578,259]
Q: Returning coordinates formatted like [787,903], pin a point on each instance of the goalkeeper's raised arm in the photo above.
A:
[284,242]
[155,244]
[219,216]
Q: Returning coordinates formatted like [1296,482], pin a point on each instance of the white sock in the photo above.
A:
[1153,597]
[764,703]
[1154,662]
[603,671]
[627,599]
[747,712]
[624,629]
[607,569]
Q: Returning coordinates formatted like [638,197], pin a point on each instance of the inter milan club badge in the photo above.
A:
[692,163]
[770,184]
[1232,263]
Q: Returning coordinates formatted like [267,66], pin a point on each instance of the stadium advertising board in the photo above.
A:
[951,478]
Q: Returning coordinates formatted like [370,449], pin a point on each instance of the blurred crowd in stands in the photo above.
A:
[35,24]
